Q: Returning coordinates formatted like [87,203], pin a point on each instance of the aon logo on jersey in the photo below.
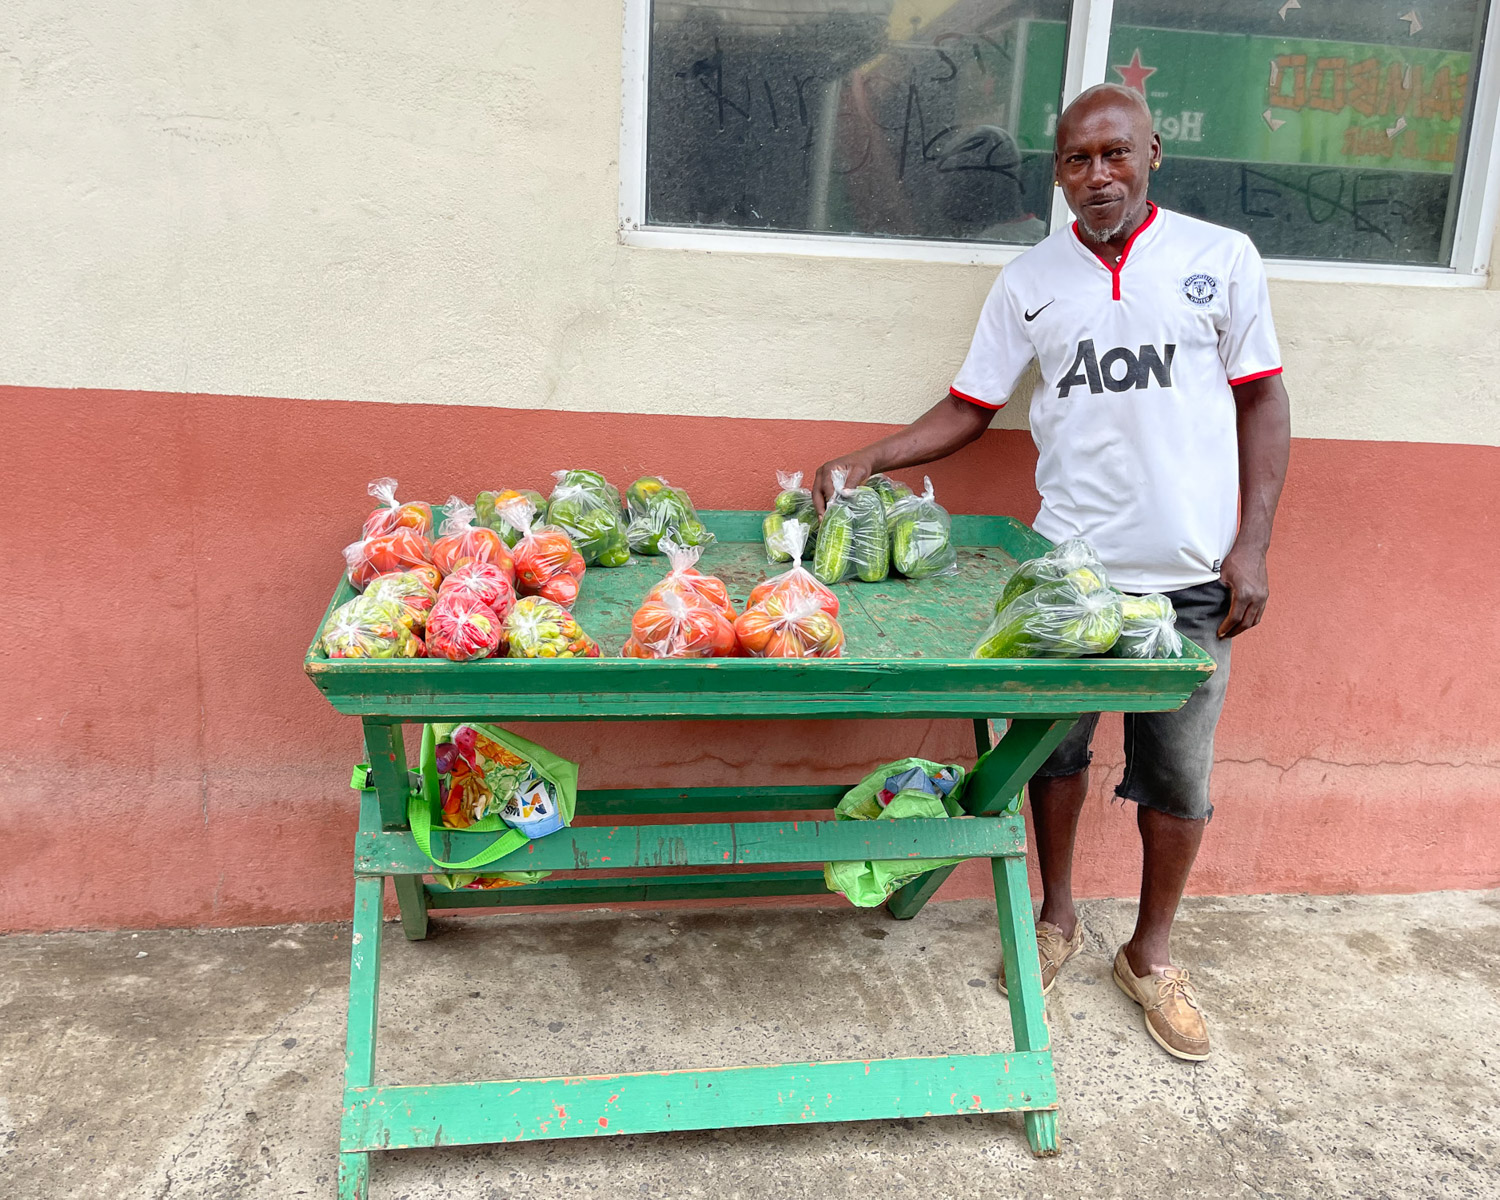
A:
[1117,370]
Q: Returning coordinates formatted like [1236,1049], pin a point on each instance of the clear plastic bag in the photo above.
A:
[391,515]
[586,507]
[854,541]
[546,562]
[659,513]
[487,507]
[484,582]
[1148,628]
[401,549]
[540,628]
[891,491]
[412,591]
[921,536]
[793,503]
[369,628]
[463,628]
[792,615]
[685,615]
[463,541]
[1074,559]
[1054,620]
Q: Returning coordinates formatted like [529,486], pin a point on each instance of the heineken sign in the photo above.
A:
[1244,98]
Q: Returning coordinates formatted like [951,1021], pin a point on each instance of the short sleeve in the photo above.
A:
[998,355]
[1247,342]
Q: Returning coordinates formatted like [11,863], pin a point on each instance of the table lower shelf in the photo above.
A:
[632,888]
[456,1114]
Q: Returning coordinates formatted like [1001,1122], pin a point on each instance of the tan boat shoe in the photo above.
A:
[1173,1016]
[1053,948]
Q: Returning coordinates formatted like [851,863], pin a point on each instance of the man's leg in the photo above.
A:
[1057,792]
[1168,761]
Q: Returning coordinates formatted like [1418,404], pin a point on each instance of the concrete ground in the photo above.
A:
[1357,1053]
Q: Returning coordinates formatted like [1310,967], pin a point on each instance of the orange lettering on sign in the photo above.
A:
[1364,86]
[1323,98]
[1293,67]
[1399,88]
[1437,101]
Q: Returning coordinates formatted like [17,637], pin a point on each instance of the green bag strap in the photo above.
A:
[419,808]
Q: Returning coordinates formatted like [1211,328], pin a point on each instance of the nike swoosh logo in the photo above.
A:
[1032,316]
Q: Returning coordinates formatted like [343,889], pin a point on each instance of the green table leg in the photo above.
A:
[1023,977]
[387,756]
[364,1005]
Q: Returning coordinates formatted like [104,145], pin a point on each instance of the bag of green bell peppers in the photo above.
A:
[657,511]
[587,508]
[921,536]
[487,507]
[793,503]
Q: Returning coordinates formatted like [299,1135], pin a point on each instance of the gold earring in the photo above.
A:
[1156,166]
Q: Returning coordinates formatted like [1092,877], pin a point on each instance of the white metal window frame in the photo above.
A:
[1087,63]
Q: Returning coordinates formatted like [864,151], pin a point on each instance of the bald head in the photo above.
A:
[1103,156]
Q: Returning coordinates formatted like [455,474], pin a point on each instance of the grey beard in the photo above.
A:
[1102,235]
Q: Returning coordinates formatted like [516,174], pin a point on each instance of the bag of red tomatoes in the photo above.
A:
[791,615]
[546,563]
[484,582]
[685,615]
[462,628]
[462,541]
[390,516]
[402,549]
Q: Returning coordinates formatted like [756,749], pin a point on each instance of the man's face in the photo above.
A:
[1105,148]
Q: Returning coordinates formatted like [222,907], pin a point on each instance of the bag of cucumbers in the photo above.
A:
[1148,628]
[891,491]
[793,503]
[1073,558]
[1065,619]
[854,539]
[921,536]
[586,507]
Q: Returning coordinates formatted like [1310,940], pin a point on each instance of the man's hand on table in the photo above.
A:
[1244,574]
[856,467]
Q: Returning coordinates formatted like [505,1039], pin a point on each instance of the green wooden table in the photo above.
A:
[907,647]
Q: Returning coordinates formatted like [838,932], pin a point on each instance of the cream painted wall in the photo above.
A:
[417,202]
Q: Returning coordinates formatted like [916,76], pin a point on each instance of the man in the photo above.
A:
[1160,411]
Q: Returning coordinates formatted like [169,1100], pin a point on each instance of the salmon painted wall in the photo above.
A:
[167,763]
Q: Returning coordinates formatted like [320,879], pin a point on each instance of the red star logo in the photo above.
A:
[1133,75]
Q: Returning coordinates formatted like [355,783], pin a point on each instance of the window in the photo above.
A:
[1356,132]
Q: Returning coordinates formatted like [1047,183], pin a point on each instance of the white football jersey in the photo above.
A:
[1134,419]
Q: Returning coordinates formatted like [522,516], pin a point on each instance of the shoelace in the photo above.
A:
[1169,986]
[1052,945]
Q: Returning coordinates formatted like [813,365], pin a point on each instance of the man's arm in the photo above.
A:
[1264,422]
[948,425]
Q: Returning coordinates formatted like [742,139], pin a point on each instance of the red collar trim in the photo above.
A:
[1114,271]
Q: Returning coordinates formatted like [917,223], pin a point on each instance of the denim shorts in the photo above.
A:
[1169,756]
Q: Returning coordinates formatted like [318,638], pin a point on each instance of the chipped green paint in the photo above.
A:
[908,646]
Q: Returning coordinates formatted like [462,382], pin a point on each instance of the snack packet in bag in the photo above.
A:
[793,615]
[463,628]
[586,507]
[1148,628]
[1054,620]
[487,507]
[484,582]
[401,549]
[540,628]
[686,615]
[415,515]
[412,591]
[547,565]
[659,512]
[463,541]
[853,540]
[922,536]
[793,503]
[369,628]
[1073,558]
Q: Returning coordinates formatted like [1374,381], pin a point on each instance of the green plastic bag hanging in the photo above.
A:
[425,810]
[869,884]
